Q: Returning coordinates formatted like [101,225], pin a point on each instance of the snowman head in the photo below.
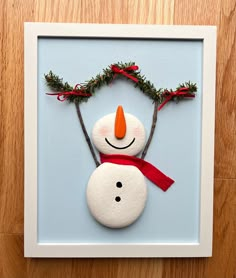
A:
[119,133]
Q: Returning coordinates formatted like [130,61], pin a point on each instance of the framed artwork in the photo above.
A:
[119,140]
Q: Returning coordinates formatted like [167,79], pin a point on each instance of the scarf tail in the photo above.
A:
[156,176]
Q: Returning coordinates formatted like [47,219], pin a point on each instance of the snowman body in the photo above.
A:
[116,194]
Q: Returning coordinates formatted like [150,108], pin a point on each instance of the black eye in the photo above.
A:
[119,184]
[117,199]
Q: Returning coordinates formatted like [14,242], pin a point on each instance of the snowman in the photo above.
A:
[117,189]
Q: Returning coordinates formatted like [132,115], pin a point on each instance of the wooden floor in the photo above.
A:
[214,12]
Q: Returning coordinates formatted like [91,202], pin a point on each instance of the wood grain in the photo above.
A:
[225,150]
[12,262]
[12,15]
[11,150]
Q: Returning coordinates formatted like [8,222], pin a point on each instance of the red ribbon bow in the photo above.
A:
[65,95]
[125,71]
[182,92]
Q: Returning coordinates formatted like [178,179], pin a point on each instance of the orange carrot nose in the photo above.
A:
[120,124]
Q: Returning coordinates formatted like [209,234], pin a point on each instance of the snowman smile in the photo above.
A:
[120,148]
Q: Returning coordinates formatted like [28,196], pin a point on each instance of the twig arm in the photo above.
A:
[86,134]
[154,120]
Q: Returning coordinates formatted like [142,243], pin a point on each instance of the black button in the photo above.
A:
[119,184]
[118,199]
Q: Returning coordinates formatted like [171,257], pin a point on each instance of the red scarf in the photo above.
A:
[148,170]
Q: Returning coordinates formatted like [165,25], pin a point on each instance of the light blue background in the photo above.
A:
[65,163]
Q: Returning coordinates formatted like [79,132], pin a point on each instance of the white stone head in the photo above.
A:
[119,133]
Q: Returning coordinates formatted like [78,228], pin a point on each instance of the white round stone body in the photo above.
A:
[116,194]
[106,142]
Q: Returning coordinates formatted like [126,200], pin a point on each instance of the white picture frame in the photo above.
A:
[201,249]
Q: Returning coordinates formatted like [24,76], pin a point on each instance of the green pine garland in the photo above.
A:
[56,84]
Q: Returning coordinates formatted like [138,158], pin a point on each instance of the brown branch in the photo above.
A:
[154,120]
[86,134]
